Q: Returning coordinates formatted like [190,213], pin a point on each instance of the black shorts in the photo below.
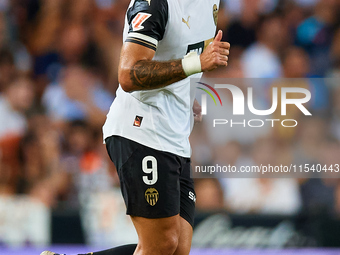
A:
[154,184]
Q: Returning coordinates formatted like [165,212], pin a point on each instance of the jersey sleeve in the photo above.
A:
[147,20]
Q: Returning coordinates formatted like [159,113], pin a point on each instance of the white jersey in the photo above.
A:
[162,118]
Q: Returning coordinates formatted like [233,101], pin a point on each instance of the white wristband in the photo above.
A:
[191,63]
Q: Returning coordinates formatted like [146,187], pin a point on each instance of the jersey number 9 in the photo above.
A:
[150,170]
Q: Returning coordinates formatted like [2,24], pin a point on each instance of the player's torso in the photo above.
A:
[164,115]
[191,27]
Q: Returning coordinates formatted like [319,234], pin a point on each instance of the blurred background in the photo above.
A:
[58,77]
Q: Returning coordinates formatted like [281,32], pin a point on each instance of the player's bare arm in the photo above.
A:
[137,70]
[148,74]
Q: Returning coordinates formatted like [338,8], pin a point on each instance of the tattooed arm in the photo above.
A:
[137,70]
[148,74]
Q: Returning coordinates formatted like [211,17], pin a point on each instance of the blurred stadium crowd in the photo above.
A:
[58,76]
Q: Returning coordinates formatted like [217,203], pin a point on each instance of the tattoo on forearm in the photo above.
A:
[148,74]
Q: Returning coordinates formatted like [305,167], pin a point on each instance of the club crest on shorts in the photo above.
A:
[215,13]
[151,196]
[138,121]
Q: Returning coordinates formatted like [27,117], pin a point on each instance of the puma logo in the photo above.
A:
[186,21]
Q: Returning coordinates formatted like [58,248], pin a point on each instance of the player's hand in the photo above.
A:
[216,54]
[197,109]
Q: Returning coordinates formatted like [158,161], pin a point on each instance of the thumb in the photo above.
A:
[218,37]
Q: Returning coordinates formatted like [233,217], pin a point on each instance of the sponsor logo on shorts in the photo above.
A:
[192,196]
[138,121]
[151,196]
